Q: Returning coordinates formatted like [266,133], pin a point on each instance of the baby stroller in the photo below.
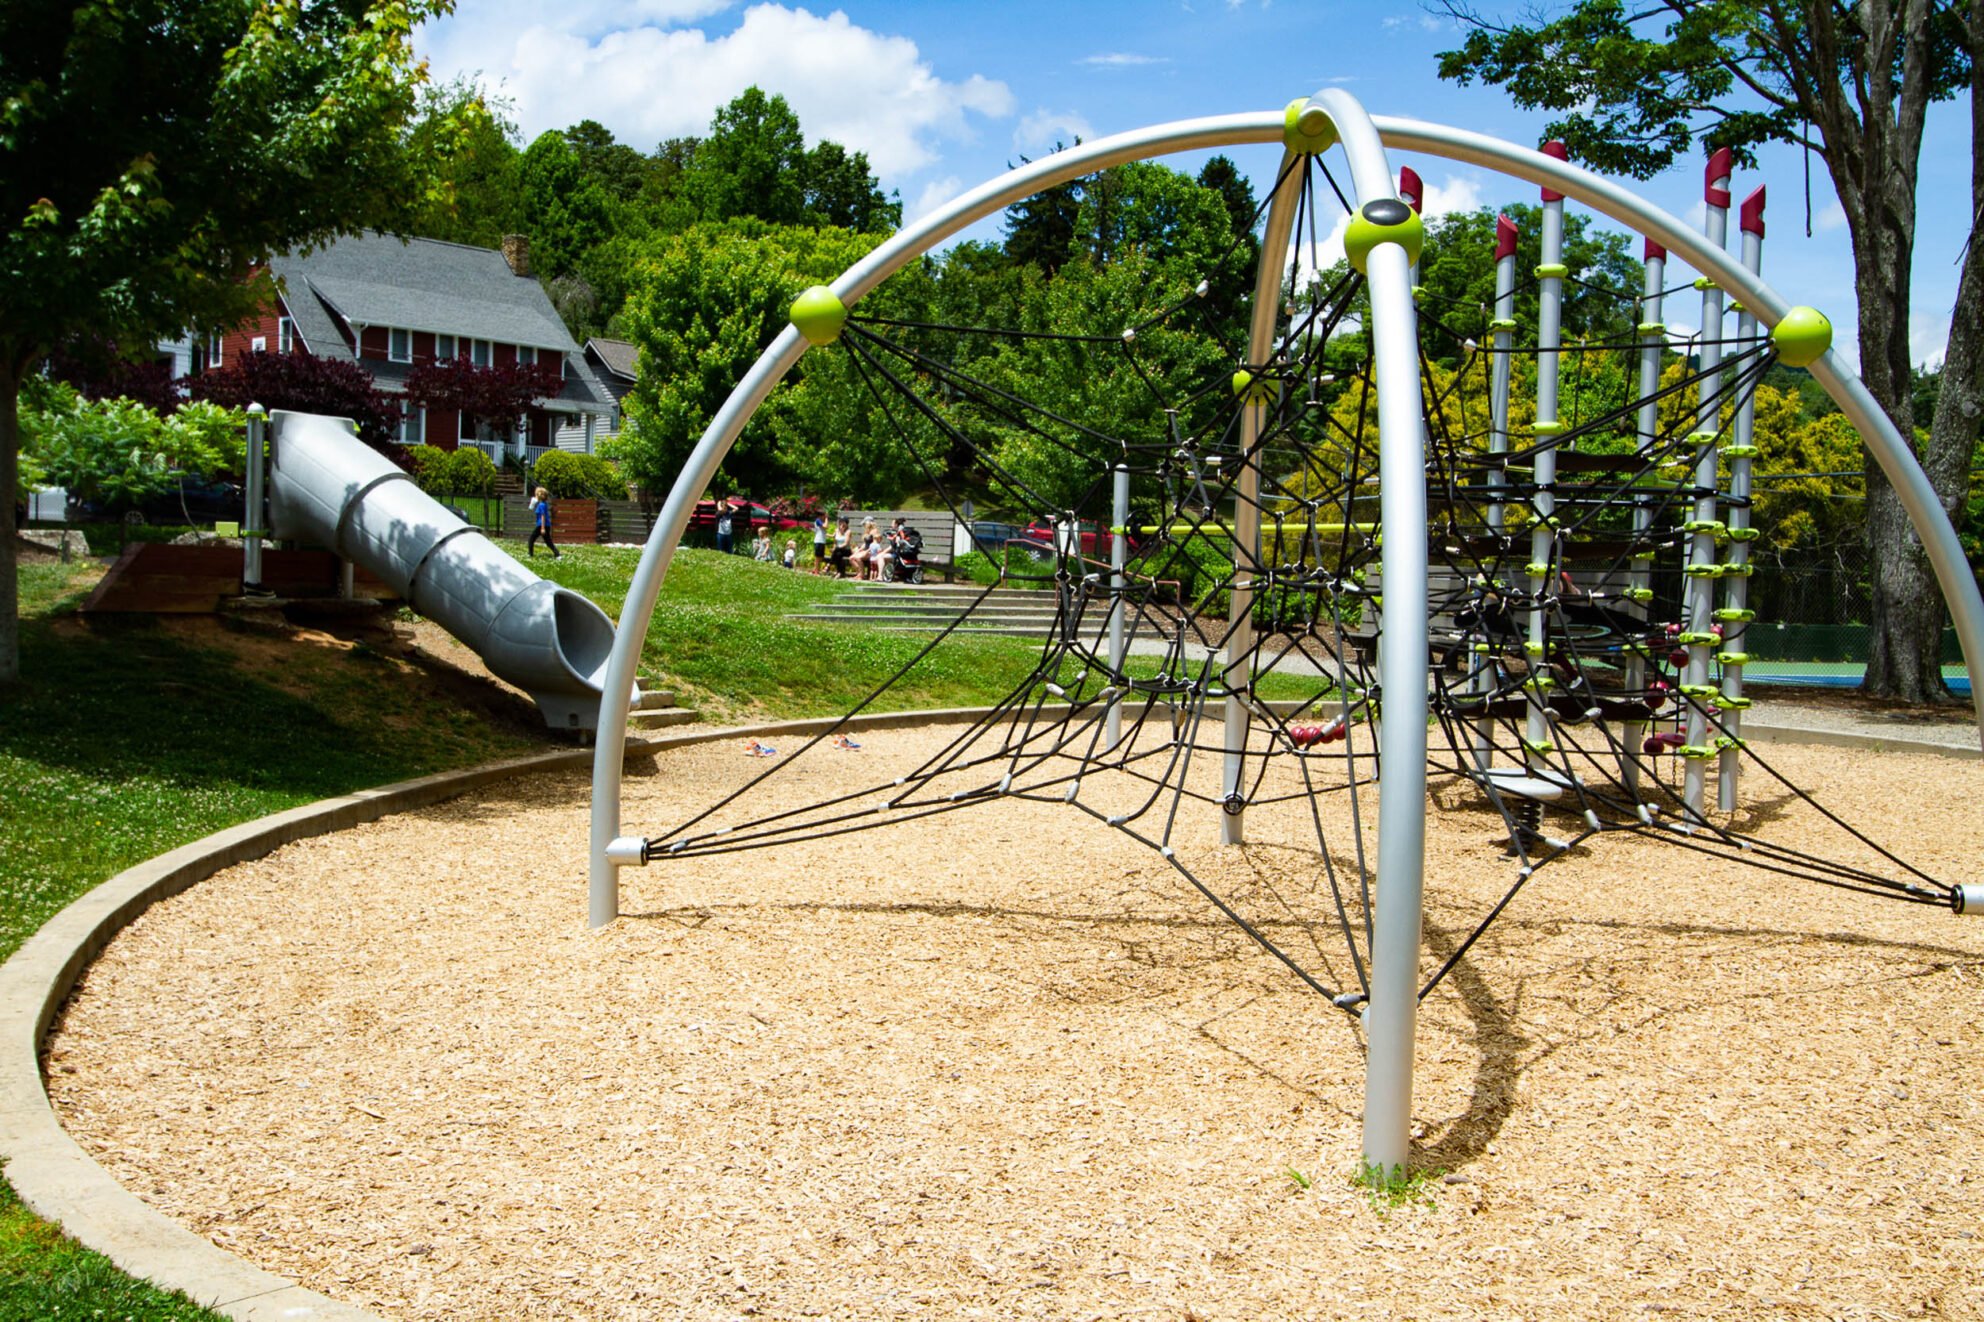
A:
[904,563]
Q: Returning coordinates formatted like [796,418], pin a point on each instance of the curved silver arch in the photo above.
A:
[1897,460]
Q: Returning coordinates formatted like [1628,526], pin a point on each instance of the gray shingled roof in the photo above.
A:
[616,356]
[418,284]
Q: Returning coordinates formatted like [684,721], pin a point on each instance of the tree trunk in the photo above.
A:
[1904,659]
[10,469]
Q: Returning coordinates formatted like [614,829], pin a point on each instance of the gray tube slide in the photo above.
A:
[328,488]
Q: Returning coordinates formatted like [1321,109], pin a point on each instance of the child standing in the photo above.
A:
[761,547]
[540,524]
[791,554]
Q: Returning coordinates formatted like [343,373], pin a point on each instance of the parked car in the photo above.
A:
[197,499]
[747,516]
[1094,537]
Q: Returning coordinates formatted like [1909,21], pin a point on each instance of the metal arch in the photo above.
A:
[603,892]
[1960,591]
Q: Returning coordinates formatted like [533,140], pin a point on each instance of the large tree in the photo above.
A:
[1635,88]
[153,154]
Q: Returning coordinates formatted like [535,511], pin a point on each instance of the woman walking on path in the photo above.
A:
[540,524]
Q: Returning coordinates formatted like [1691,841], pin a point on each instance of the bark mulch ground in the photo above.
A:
[1006,1063]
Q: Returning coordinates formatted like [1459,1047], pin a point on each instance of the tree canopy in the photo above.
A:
[153,154]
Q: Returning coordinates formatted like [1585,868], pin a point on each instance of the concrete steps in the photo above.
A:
[902,608]
[655,709]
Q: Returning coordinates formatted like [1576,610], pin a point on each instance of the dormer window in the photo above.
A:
[399,345]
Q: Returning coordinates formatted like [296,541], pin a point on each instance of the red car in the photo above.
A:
[746,517]
[1095,537]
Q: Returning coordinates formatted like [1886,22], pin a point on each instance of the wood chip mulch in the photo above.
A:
[1005,1062]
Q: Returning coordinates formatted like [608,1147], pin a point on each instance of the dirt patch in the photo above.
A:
[1005,1062]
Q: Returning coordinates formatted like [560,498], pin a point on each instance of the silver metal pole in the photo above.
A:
[1247,490]
[1702,564]
[1639,578]
[1501,338]
[1119,555]
[1392,1016]
[254,515]
[1536,744]
[1734,617]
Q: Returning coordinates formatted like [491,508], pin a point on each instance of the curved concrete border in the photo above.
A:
[62,1183]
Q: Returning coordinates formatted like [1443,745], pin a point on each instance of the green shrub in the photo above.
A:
[579,477]
[424,463]
[467,472]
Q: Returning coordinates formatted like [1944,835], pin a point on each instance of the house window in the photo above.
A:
[466,430]
[444,347]
[260,344]
[526,354]
[399,346]
[285,335]
[413,425]
[479,352]
[213,351]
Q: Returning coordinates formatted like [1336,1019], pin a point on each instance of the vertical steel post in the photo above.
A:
[1734,618]
[254,515]
[1702,566]
[1392,1016]
[1412,192]
[1119,555]
[1254,390]
[1537,745]
[1501,339]
[1639,578]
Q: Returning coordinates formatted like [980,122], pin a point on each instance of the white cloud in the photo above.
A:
[1928,338]
[651,79]
[1831,217]
[1311,260]
[1121,60]
[932,195]
[1455,193]
[1040,131]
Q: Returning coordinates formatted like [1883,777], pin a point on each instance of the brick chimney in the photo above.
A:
[516,251]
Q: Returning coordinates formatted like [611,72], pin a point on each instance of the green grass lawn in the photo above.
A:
[720,639]
[125,739]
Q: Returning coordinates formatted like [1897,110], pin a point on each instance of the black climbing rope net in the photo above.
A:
[1249,588]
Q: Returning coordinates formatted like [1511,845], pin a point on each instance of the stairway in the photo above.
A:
[925,609]
[655,709]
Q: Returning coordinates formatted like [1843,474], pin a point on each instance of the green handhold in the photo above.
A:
[1307,129]
[1803,337]
[819,314]
[1393,222]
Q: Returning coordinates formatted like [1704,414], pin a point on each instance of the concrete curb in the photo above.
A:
[1800,734]
[63,1184]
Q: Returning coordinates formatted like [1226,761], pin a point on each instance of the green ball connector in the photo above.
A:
[1307,129]
[1249,391]
[1387,220]
[1803,337]
[819,314]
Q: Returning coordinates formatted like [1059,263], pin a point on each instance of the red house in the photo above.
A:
[390,303]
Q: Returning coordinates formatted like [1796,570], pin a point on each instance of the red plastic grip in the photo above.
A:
[1409,186]
[1720,165]
[1505,237]
[1556,151]
[1751,218]
[1654,252]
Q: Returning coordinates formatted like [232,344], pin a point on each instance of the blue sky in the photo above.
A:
[944,94]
